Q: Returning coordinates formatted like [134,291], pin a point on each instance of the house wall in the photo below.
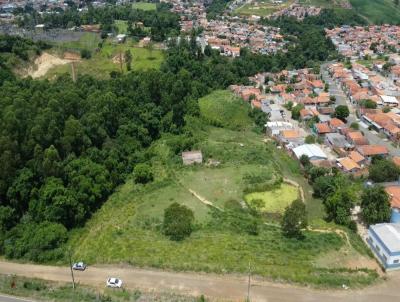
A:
[390,261]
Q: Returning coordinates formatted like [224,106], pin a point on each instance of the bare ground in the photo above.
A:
[232,287]
[44,63]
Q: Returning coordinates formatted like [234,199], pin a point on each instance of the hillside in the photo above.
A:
[378,11]
[229,233]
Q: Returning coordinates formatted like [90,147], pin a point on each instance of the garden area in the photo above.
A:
[228,232]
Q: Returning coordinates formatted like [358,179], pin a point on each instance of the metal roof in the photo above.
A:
[389,234]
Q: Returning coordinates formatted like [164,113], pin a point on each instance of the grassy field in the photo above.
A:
[61,292]
[144,6]
[227,112]
[106,60]
[122,26]
[276,200]
[128,226]
[88,41]
[322,3]
[377,11]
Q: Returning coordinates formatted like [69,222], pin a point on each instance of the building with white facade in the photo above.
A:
[384,240]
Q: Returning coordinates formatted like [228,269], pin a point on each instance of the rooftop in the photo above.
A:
[389,233]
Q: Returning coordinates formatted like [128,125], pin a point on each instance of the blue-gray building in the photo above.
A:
[384,240]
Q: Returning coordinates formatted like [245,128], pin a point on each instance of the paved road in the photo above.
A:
[6,298]
[222,287]
[342,99]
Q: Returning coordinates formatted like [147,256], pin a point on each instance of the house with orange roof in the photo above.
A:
[291,136]
[322,129]
[348,165]
[368,151]
[357,138]
[394,194]
[336,124]
[357,157]
[396,160]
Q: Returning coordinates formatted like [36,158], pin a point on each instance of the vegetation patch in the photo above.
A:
[144,6]
[275,200]
[221,108]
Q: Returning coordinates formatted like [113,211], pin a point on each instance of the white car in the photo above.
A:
[114,282]
[79,266]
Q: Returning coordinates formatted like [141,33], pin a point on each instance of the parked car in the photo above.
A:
[79,266]
[114,282]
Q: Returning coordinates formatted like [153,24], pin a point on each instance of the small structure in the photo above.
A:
[384,240]
[192,157]
[314,152]
[121,38]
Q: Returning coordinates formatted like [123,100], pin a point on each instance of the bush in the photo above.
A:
[86,54]
[142,173]
[178,222]
[353,226]
[37,242]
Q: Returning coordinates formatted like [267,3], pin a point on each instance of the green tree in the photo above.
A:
[296,111]
[382,170]
[294,219]
[142,173]
[310,139]
[368,104]
[355,126]
[339,204]
[342,112]
[178,222]
[375,205]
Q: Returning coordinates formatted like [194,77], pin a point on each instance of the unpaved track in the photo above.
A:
[222,287]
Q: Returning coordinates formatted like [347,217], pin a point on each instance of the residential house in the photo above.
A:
[322,129]
[348,165]
[368,151]
[384,240]
[192,157]
[314,152]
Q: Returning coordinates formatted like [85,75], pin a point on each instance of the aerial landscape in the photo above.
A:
[199,150]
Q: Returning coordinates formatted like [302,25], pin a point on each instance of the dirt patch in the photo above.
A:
[44,63]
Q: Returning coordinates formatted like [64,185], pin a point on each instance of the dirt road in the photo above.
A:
[223,287]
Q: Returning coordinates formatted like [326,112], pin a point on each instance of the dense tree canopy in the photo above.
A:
[382,170]
[375,205]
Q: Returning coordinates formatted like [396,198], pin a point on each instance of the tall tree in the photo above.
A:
[375,205]
[294,219]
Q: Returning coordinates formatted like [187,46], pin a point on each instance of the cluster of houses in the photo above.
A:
[230,36]
[192,13]
[297,11]
[338,145]
[376,97]
[362,41]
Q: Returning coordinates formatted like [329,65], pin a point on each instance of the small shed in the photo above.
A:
[192,157]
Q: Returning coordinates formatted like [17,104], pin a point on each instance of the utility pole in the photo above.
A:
[249,284]
[70,267]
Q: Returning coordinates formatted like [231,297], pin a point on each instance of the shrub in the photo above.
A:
[178,222]
[86,54]
[142,173]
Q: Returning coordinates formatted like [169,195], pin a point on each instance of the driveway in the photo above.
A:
[231,287]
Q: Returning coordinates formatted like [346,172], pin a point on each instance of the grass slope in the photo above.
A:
[128,226]
[221,108]
[378,11]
